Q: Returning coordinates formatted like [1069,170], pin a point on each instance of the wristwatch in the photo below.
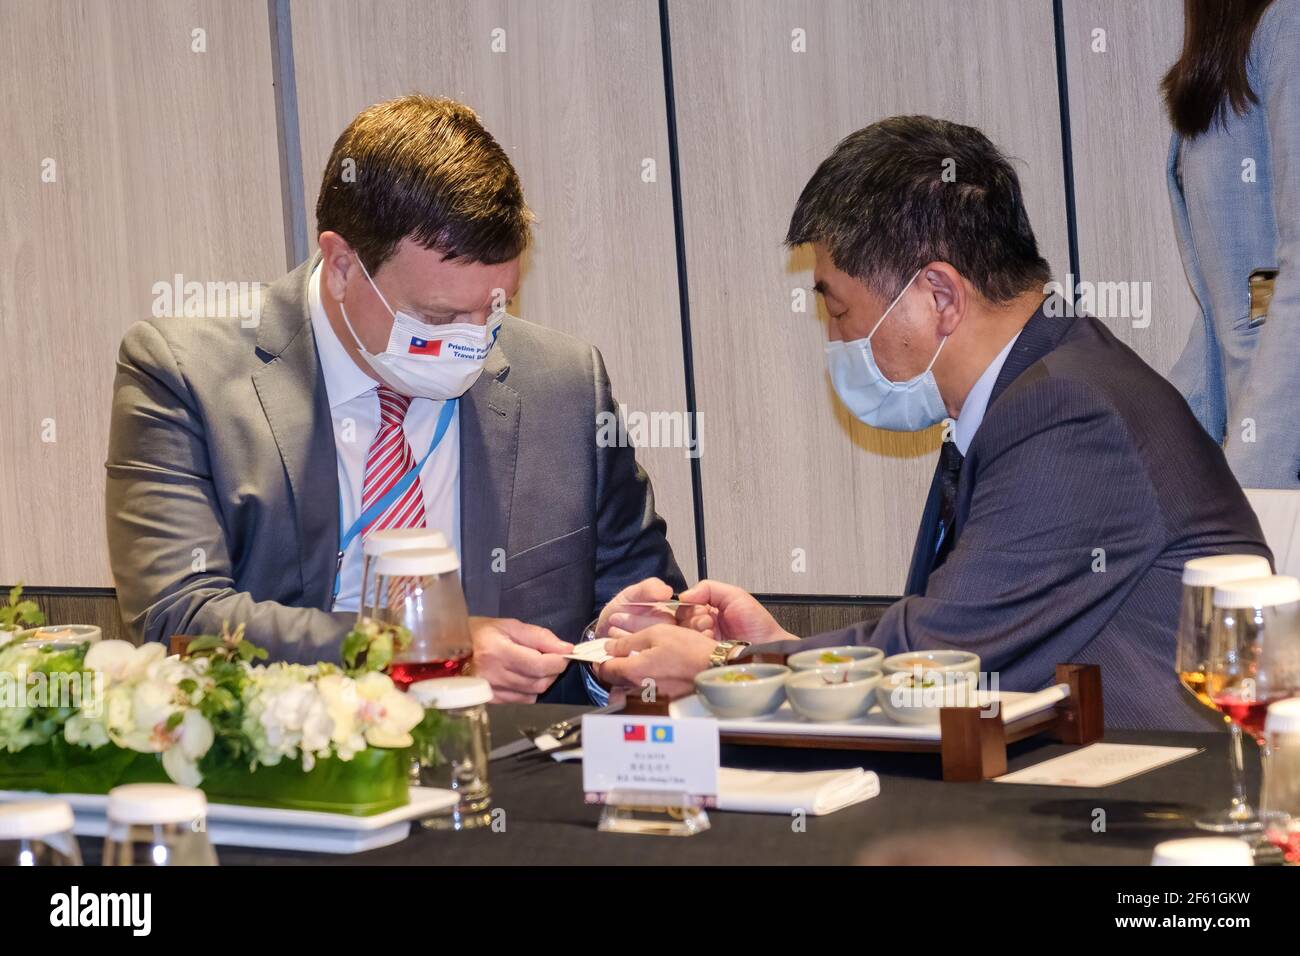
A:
[724,651]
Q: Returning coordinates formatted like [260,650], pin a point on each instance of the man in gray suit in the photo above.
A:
[1073,481]
[383,386]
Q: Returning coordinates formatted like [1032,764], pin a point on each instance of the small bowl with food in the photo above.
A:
[924,662]
[916,697]
[837,659]
[819,696]
[742,690]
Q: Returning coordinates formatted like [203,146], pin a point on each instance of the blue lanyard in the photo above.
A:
[393,493]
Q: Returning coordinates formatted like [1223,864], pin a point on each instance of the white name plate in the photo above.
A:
[631,756]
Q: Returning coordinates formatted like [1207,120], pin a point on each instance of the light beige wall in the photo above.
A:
[577,100]
[786,471]
[1120,142]
[165,162]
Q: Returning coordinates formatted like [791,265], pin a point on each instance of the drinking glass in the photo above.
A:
[1200,577]
[1279,802]
[400,539]
[157,824]
[37,833]
[420,590]
[1253,660]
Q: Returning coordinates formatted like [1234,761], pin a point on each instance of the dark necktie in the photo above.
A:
[950,460]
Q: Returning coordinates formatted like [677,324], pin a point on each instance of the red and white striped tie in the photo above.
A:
[388,460]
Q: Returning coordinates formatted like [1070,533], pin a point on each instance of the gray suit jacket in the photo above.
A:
[223,484]
[1085,489]
[1229,225]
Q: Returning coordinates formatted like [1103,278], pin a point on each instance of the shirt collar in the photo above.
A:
[977,402]
[344,379]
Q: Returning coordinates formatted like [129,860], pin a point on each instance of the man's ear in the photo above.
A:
[337,261]
[950,295]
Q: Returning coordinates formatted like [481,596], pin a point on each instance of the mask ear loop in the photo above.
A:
[366,272]
[884,315]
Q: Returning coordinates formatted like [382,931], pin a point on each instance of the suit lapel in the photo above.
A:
[1040,335]
[489,448]
[291,389]
[923,551]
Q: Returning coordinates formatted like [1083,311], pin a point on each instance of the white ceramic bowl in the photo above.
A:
[906,701]
[851,656]
[926,661]
[742,690]
[817,695]
[61,635]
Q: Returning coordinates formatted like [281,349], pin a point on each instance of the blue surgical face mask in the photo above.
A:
[908,406]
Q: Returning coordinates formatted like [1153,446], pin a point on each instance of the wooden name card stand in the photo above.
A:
[972,747]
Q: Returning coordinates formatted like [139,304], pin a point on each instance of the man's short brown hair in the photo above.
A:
[423,167]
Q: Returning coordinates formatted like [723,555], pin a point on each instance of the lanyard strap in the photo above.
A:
[379,507]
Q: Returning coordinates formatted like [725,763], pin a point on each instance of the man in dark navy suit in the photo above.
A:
[1073,481]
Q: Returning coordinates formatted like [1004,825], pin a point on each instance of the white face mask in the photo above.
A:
[908,406]
[428,361]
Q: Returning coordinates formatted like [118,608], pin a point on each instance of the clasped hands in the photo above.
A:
[522,660]
[670,648]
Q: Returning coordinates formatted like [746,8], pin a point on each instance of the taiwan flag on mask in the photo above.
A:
[633,732]
[425,347]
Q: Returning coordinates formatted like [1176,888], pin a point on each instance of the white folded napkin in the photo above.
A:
[817,793]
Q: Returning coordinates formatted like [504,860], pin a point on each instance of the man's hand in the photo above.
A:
[739,616]
[667,654]
[519,660]
[617,614]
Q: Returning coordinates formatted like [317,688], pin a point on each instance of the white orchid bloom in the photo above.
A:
[388,714]
[122,661]
[190,742]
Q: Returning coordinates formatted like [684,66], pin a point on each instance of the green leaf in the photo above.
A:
[175,719]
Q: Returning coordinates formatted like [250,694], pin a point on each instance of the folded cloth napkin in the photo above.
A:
[767,791]
[817,793]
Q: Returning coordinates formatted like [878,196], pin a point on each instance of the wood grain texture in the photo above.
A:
[785,467]
[1120,142]
[577,100]
[166,163]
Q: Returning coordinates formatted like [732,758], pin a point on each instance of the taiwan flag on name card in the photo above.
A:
[424,347]
[661,734]
[633,732]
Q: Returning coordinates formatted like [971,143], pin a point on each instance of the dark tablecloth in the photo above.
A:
[546,821]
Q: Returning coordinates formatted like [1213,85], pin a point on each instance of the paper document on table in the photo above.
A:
[1098,765]
[590,652]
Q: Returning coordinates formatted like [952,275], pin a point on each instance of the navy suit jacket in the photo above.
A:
[1085,489]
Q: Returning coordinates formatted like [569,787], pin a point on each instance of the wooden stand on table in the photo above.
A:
[972,747]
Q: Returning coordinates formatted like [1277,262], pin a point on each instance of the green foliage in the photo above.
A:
[17,613]
[370,646]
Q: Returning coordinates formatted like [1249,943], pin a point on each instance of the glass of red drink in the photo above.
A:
[1254,657]
[419,589]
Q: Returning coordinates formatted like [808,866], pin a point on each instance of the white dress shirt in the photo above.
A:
[977,402]
[354,408]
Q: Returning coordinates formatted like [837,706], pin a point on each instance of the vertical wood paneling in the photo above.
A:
[786,471]
[577,100]
[1120,141]
[166,163]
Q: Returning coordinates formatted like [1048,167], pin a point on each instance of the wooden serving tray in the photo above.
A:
[972,747]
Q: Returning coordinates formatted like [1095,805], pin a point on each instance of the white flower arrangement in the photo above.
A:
[180,707]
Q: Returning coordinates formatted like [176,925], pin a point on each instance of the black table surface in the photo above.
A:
[546,821]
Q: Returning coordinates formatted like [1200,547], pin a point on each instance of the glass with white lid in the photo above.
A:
[393,539]
[452,746]
[1200,577]
[157,824]
[1279,802]
[419,590]
[37,833]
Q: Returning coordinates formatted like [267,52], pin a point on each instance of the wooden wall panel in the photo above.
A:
[784,465]
[1120,141]
[577,100]
[165,162]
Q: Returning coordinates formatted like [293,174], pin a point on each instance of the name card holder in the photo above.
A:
[658,811]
